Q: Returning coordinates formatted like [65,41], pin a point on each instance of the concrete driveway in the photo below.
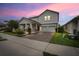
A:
[41,36]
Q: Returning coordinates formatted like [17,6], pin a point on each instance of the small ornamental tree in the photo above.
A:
[12,24]
[60,29]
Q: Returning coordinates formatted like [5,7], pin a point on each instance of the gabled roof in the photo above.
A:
[48,10]
[37,16]
[74,19]
[23,18]
[44,12]
[33,17]
[29,20]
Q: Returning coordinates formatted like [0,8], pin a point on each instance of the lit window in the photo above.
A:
[45,18]
[48,17]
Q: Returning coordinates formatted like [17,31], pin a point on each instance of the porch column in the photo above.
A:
[31,27]
[36,26]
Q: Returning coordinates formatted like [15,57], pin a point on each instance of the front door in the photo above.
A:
[38,28]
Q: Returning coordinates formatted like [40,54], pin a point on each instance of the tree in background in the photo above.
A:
[60,29]
[12,25]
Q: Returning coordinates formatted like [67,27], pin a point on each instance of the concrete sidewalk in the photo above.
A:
[60,50]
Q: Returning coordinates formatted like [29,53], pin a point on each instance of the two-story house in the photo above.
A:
[45,22]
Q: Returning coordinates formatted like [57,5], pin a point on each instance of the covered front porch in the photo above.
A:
[33,27]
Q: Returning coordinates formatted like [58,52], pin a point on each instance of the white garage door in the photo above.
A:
[48,29]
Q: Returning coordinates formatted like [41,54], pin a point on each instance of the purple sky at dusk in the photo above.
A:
[18,10]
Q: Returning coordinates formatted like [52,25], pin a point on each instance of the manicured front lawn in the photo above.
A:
[58,38]
[10,33]
[14,34]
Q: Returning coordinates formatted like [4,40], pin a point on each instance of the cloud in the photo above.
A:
[74,13]
[20,9]
[13,12]
[62,8]
[65,8]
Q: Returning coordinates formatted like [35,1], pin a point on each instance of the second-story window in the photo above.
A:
[46,18]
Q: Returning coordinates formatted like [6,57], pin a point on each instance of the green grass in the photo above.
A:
[13,33]
[58,38]
[10,33]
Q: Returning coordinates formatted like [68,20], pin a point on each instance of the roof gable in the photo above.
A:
[38,16]
[75,18]
[44,12]
[49,11]
[23,18]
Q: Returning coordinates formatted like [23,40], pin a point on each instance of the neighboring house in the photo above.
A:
[45,22]
[72,26]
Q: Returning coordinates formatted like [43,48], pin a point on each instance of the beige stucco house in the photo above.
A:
[45,22]
[72,26]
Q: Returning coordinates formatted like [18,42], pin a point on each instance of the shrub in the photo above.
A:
[77,32]
[7,30]
[18,31]
[60,29]
[67,36]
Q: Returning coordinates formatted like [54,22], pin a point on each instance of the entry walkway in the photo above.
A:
[33,47]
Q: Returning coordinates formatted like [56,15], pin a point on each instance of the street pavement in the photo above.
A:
[11,48]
